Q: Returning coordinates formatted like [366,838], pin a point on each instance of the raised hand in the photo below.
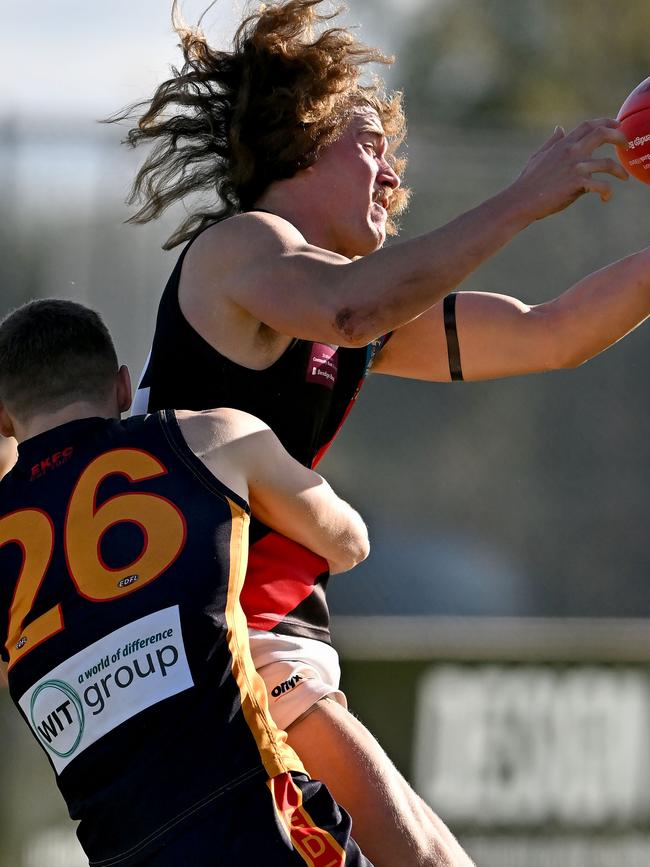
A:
[563,169]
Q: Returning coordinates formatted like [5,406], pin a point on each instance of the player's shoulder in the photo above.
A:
[209,429]
[231,240]
[230,442]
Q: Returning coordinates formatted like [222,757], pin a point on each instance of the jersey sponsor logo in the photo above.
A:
[286,686]
[371,352]
[323,364]
[107,683]
[51,462]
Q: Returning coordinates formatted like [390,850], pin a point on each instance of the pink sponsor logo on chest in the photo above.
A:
[323,364]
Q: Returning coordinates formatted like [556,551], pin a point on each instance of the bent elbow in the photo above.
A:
[363,548]
[355,551]
[353,327]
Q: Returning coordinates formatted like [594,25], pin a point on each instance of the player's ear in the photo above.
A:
[6,424]
[124,390]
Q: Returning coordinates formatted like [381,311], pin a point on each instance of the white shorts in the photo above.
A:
[297,673]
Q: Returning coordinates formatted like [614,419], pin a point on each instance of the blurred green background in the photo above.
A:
[524,498]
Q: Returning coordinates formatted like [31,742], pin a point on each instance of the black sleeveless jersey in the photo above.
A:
[121,564]
[304,397]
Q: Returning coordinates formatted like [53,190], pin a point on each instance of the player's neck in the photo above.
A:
[73,412]
[297,204]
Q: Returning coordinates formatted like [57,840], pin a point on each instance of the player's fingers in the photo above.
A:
[609,166]
[595,185]
[558,133]
[595,135]
[588,126]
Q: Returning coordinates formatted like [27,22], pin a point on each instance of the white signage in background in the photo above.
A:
[526,746]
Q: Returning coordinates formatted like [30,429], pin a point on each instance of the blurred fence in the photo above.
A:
[521,498]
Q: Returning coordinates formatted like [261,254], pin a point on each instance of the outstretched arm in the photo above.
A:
[499,336]
[298,289]
[247,456]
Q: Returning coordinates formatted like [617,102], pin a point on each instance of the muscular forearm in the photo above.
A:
[394,285]
[500,336]
[600,309]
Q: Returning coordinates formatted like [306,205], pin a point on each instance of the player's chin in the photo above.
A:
[377,225]
[370,244]
[367,239]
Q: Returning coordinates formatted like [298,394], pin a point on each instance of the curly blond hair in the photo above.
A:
[232,122]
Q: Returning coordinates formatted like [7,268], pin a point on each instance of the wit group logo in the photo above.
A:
[106,684]
[57,714]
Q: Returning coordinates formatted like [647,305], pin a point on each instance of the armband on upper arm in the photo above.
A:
[453,349]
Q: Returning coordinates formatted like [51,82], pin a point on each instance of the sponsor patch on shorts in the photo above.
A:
[107,683]
[287,686]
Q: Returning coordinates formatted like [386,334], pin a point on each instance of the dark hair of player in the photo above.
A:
[229,123]
[53,353]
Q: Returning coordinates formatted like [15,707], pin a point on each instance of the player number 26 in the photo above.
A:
[163,532]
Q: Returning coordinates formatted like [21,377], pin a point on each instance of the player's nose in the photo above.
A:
[388,177]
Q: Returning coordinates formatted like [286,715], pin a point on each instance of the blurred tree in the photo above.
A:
[531,63]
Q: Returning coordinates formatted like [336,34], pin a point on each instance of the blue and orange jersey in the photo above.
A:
[121,565]
[304,397]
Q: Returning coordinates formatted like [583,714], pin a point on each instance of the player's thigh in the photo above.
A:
[391,823]
[338,749]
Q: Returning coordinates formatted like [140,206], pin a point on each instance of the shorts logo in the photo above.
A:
[323,364]
[286,686]
[115,678]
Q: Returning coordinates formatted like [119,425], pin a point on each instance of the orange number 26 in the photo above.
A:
[163,531]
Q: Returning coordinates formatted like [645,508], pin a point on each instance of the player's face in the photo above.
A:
[354,183]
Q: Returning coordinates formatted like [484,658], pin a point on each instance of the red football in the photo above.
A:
[635,123]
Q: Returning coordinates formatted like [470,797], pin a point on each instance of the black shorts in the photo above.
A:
[245,829]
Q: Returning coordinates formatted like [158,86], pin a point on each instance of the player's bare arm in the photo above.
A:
[499,336]
[7,454]
[293,286]
[299,503]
